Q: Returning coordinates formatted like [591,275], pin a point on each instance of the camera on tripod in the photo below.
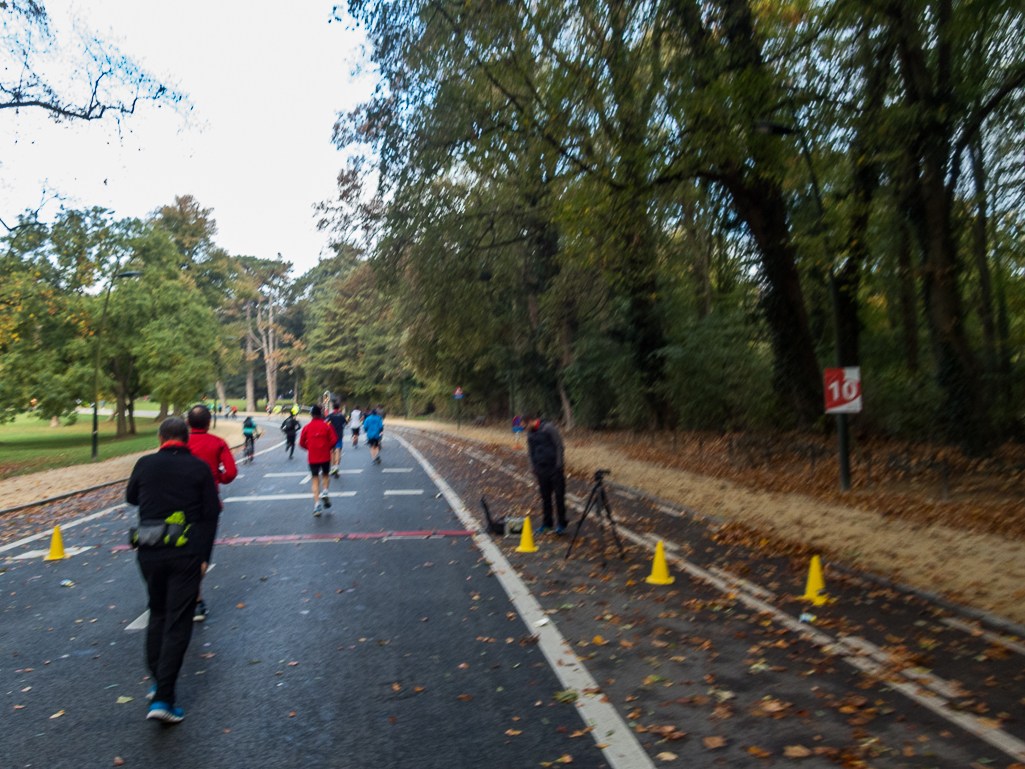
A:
[600,474]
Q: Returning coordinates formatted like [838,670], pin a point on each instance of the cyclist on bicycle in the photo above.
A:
[251,433]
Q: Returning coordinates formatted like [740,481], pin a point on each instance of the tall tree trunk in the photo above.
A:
[980,250]
[222,396]
[760,204]
[566,359]
[250,364]
[270,358]
[162,415]
[908,298]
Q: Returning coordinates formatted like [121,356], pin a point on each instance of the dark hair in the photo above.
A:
[199,417]
[174,429]
[315,412]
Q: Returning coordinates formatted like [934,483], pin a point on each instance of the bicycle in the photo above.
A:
[250,449]
[598,501]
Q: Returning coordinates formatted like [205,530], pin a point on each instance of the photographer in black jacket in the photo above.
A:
[178,509]
[544,444]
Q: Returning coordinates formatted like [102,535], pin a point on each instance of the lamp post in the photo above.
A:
[96,370]
[769,128]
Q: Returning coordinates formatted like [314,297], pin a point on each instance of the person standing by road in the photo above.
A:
[337,421]
[217,455]
[544,445]
[178,510]
[355,422]
[373,426]
[290,427]
[318,438]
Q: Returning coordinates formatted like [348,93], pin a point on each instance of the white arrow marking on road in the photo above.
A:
[403,492]
[68,552]
[140,623]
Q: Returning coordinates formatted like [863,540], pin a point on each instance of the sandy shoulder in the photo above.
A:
[983,570]
[22,489]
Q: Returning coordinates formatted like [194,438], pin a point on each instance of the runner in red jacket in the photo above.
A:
[318,438]
[217,455]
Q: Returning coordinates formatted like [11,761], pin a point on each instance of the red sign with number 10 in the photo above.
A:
[843,390]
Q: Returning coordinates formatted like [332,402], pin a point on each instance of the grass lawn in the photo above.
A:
[29,444]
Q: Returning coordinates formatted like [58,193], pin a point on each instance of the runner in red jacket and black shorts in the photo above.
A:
[318,438]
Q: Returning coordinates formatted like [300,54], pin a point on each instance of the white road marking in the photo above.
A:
[68,525]
[307,479]
[68,552]
[139,623]
[396,470]
[1007,643]
[283,475]
[269,448]
[622,749]
[284,497]
[403,492]
[350,472]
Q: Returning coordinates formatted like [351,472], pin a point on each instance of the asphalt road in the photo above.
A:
[391,651]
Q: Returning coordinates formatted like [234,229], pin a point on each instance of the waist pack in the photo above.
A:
[167,533]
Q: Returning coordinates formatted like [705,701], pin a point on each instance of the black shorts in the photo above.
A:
[355,431]
[320,468]
[374,443]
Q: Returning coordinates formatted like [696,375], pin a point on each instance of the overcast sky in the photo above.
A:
[265,81]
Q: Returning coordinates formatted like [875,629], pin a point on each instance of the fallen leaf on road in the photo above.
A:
[58,714]
[122,700]
[759,752]
[464,665]
[513,732]
[19,707]
[668,732]
[599,640]
[208,655]
[118,761]
[241,606]
[292,664]
[418,688]
[292,714]
[395,687]
[796,751]
[569,695]
[711,743]
[566,758]
[465,697]
[665,755]
[627,644]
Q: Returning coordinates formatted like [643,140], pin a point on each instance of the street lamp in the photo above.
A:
[96,370]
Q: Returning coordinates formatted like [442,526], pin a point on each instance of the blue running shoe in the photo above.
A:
[152,693]
[163,711]
[560,530]
[543,529]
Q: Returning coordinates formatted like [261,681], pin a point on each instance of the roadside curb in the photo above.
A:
[977,614]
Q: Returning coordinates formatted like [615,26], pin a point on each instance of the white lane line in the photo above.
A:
[968,627]
[68,552]
[269,448]
[622,749]
[403,492]
[68,525]
[284,475]
[396,470]
[349,472]
[307,479]
[284,497]
[857,652]
[139,623]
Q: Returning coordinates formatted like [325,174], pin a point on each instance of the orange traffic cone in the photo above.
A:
[56,546]
[527,538]
[815,592]
[659,569]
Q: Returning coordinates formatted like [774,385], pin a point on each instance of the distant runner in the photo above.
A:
[373,425]
[355,422]
[318,437]
[337,421]
[290,427]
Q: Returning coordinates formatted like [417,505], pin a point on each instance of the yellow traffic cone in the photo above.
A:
[527,538]
[56,546]
[659,569]
[816,589]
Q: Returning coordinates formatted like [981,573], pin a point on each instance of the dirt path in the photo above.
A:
[984,571]
[22,489]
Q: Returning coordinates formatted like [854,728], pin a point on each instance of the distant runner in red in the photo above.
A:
[318,438]
[217,455]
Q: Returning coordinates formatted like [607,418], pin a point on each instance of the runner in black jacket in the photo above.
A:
[172,484]
[290,427]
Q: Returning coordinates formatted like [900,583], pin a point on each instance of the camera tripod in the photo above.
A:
[599,502]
